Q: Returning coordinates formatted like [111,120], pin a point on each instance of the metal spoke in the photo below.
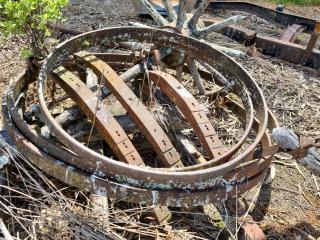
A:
[219,25]
[106,123]
[182,16]
[154,13]
[192,111]
[196,15]
[196,76]
[216,74]
[172,15]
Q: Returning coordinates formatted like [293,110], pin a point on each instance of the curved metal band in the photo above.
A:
[155,177]
[136,109]
[191,109]
[92,183]
[73,160]
[242,178]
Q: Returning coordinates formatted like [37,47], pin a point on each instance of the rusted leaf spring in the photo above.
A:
[46,160]
[191,109]
[136,110]
[173,89]
[114,135]
[106,123]
[155,178]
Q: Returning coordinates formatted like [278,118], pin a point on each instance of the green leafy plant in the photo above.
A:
[25,22]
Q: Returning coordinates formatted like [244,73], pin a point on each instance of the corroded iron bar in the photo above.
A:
[136,110]
[271,15]
[192,111]
[291,32]
[112,132]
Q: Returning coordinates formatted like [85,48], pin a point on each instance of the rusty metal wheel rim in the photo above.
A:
[154,177]
[72,160]
[48,162]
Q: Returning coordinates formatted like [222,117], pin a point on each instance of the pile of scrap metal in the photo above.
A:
[180,173]
[283,47]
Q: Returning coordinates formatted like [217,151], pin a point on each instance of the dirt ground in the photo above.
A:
[292,91]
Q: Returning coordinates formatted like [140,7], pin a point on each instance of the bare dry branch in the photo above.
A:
[63,119]
[5,231]
[191,152]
